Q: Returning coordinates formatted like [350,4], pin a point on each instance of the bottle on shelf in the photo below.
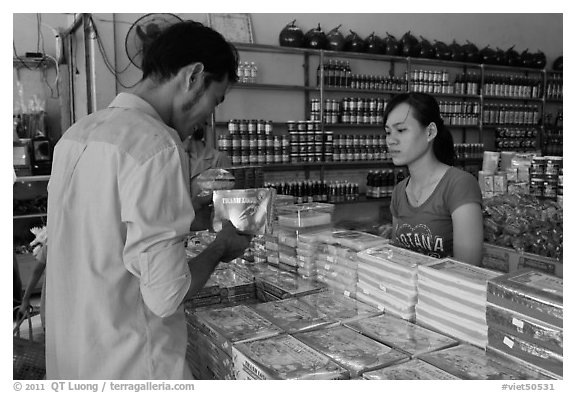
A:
[253,72]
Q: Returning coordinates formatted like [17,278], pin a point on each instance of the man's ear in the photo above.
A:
[431,131]
[192,76]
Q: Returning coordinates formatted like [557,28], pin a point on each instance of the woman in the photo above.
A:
[437,209]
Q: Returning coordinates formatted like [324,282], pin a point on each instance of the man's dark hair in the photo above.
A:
[426,110]
[190,42]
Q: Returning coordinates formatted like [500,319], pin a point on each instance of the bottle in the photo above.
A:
[247,72]
[369,181]
[240,71]
[348,72]
[253,72]
[376,184]
[340,74]
[324,191]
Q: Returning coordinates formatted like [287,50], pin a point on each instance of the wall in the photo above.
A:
[526,31]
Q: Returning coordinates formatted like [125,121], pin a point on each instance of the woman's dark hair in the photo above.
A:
[425,110]
[189,42]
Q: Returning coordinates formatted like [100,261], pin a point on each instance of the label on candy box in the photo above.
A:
[283,357]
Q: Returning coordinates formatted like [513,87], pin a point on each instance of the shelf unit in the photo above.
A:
[409,64]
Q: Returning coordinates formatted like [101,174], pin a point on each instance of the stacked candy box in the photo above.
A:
[283,357]
[339,307]
[336,259]
[282,284]
[387,279]
[293,315]
[525,319]
[452,299]
[356,352]
[414,369]
[295,221]
[226,326]
[402,335]
[470,362]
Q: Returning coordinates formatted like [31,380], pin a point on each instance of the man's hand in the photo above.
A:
[233,242]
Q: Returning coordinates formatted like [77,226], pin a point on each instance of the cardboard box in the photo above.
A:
[508,260]
[499,258]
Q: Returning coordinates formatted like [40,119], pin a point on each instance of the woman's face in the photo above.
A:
[406,139]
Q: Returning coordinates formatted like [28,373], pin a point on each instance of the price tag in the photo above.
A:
[382,287]
[518,323]
[508,342]
[330,258]
[347,293]
[381,308]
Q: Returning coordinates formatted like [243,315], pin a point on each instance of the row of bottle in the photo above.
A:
[467,84]
[438,82]
[517,139]
[338,73]
[349,104]
[469,150]
[514,132]
[247,72]
[459,107]
[239,126]
[349,110]
[317,190]
[514,86]
[511,114]
[342,141]
[516,144]
[334,73]
[554,87]
[380,183]
[359,154]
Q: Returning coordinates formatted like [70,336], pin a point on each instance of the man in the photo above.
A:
[119,207]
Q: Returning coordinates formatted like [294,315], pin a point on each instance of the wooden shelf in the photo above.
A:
[328,126]
[270,86]
[363,199]
[28,179]
[32,215]
[508,98]
[334,89]
[333,164]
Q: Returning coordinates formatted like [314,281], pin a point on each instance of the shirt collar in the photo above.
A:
[132,101]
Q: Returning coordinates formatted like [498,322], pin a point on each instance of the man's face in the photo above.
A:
[195,106]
